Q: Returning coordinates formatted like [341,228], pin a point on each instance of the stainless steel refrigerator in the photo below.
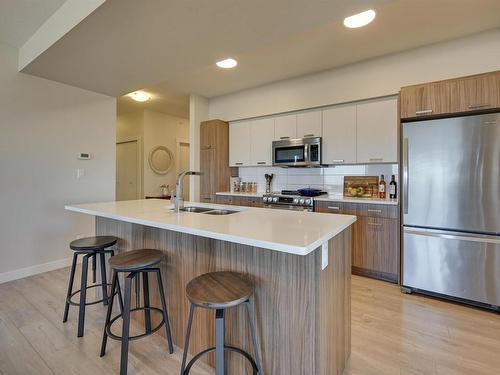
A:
[451,208]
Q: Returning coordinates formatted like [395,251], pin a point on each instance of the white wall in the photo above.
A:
[377,77]
[44,125]
[198,112]
[161,130]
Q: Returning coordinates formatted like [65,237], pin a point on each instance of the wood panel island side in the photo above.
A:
[300,263]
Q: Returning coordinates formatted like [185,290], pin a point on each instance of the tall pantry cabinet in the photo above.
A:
[214,159]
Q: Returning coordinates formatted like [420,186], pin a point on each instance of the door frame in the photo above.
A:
[178,142]
[140,168]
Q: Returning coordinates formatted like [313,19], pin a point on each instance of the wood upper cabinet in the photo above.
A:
[261,139]
[476,92]
[377,131]
[214,159]
[285,127]
[467,94]
[339,135]
[309,124]
[426,100]
[239,144]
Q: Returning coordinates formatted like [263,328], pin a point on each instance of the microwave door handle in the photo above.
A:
[306,153]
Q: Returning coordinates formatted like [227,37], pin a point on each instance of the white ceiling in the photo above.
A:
[170,46]
[163,100]
[19,19]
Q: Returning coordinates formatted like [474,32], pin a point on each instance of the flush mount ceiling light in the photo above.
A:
[360,19]
[227,63]
[140,96]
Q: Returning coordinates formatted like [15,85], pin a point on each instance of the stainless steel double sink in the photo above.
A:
[208,210]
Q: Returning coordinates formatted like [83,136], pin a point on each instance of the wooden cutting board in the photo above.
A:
[368,183]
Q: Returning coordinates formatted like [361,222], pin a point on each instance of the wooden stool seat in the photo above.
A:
[135,260]
[219,290]
[93,243]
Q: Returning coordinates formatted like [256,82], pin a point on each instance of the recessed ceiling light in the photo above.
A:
[140,96]
[227,63]
[360,19]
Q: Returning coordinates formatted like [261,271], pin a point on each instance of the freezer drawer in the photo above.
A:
[451,263]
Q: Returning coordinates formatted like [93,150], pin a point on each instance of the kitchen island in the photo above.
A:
[300,263]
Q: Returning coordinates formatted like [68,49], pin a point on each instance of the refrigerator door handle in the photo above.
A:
[453,235]
[405,175]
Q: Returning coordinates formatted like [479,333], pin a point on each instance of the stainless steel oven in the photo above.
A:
[300,152]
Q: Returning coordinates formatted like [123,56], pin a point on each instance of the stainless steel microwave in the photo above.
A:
[300,152]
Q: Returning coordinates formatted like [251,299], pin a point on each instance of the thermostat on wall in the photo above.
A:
[84,156]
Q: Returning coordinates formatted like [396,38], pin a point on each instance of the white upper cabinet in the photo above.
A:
[285,127]
[339,135]
[261,139]
[309,124]
[239,143]
[377,131]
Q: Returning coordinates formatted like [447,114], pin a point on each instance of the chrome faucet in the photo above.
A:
[178,201]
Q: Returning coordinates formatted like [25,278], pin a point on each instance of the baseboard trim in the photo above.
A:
[34,270]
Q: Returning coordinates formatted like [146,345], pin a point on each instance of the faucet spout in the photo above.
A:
[178,201]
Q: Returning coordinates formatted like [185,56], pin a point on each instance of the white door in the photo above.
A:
[309,124]
[261,142]
[339,134]
[377,130]
[127,176]
[183,165]
[285,127]
[239,144]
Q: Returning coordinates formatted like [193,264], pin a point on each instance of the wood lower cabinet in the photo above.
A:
[239,201]
[375,250]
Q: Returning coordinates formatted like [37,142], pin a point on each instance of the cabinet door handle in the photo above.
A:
[376,211]
[376,159]
[284,137]
[375,224]
[308,135]
[262,162]
[238,163]
[423,112]
[338,161]
[334,208]
[475,106]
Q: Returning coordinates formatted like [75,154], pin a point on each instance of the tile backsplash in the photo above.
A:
[330,179]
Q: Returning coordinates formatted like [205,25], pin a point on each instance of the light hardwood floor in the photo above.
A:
[392,333]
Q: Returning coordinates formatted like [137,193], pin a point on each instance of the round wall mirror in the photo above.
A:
[161,159]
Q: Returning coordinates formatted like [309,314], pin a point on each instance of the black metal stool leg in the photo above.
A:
[102,259]
[126,323]
[251,319]
[109,312]
[70,287]
[120,298]
[83,295]
[186,341]
[165,312]
[219,342]
[94,267]
[137,291]
[145,291]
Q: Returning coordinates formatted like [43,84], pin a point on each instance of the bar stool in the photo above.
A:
[89,247]
[135,263]
[220,291]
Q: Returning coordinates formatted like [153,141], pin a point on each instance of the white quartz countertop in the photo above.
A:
[293,232]
[329,197]
[341,198]
[235,194]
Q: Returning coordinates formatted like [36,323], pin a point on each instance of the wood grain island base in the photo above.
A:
[303,311]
